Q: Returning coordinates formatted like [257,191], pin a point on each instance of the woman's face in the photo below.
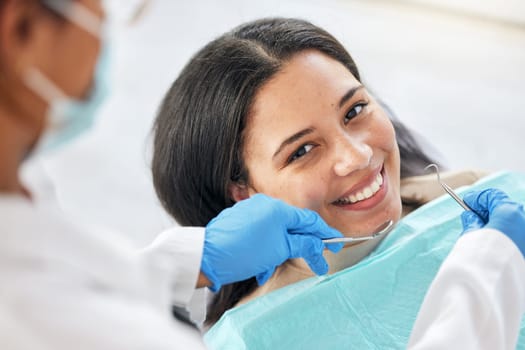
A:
[316,139]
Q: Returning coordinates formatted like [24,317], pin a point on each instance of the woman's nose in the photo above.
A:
[351,155]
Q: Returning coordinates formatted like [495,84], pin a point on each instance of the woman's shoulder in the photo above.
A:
[418,190]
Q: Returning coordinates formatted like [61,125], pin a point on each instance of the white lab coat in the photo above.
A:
[477,299]
[66,287]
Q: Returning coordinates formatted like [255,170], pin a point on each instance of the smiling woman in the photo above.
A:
[277,106]
[341,159]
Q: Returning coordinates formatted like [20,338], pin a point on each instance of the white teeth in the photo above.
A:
[365,193]
[375,186]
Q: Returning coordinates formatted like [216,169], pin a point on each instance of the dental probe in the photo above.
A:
[453,194]
[448,189]
[384,228]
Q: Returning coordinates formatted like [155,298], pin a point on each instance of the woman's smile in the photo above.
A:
[316,139]
[364,194]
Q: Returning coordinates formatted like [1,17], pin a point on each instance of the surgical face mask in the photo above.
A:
[68,117]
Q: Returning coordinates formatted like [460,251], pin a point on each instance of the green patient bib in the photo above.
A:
[371,305]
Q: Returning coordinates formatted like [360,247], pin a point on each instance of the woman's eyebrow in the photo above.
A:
[292,139]
[349,94]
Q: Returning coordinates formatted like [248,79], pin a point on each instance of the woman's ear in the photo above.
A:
[238,191]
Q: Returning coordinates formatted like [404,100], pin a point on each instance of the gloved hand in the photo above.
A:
[259,233]
[497,211]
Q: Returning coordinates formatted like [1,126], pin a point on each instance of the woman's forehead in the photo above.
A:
[308,78]
[308,86]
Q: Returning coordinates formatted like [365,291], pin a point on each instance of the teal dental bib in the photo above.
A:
[371,305]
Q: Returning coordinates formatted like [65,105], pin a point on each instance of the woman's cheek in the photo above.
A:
[303,191]
[386,136]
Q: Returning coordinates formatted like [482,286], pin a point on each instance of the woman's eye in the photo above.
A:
[301,151]
[354,112]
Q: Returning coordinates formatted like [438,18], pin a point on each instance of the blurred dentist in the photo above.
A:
[66,286]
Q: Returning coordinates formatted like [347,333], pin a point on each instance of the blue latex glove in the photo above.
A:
[497,211]
[258,234]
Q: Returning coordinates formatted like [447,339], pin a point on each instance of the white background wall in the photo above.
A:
[459,81]
[509,11]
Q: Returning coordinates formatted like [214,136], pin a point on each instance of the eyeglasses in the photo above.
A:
[126,12]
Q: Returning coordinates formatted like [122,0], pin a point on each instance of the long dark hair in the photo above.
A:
[198,133]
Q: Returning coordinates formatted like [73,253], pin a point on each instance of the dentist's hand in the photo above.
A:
[499,212]
[258,234]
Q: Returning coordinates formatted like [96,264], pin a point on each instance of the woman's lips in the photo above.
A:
[376,195]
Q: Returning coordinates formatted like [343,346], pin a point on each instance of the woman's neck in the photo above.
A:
[295,270]
[350,255]
[347,257]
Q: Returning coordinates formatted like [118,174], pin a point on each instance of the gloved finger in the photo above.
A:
[485,201]
[317,264]
[471,221]
[491,198]
[334,247]
[471,199]
[307,221]
[263,277]
[302,246]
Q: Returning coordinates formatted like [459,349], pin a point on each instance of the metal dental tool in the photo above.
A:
[448,189]
[381,230]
